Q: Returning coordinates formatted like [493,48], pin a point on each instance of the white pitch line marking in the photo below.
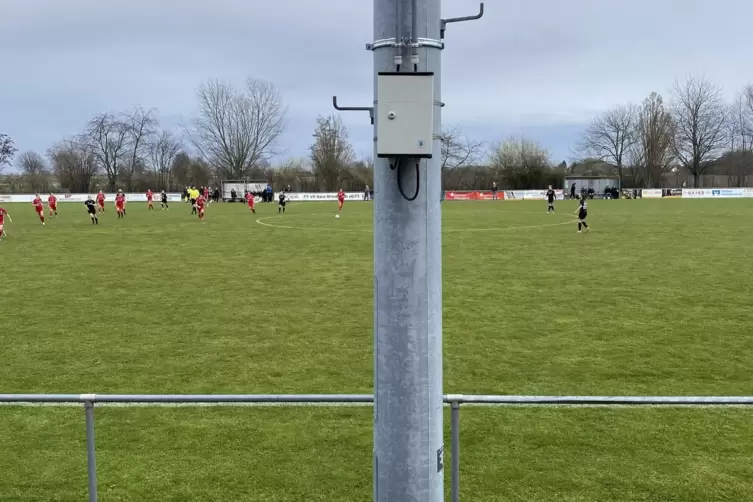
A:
[261,221]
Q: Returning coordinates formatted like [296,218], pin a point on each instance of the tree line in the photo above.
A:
[236,133]
[694,133]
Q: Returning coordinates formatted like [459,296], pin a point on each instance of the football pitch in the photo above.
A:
[656,300]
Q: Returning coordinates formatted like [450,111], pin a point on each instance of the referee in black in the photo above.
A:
[550,196]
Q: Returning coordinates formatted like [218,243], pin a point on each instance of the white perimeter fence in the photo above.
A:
[454,400]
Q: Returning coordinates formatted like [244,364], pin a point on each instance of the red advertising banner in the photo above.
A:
[473,196]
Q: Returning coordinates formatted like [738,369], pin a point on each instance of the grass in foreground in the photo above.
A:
[653,301]
[316,454]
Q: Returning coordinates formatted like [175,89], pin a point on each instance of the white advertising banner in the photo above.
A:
[696,193]
[319,197]
[727,192]
[532,195]
[81,197]
[652,193]
[713,193]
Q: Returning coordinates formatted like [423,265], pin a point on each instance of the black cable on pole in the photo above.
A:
[398,165]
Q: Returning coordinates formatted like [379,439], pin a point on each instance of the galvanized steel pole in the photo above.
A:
[408,419]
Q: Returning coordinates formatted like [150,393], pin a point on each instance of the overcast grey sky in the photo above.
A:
[541,68]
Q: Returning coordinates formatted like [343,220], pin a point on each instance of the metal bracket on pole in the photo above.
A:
[443,26]
[369,109]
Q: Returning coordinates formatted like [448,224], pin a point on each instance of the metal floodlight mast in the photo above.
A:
[408,419]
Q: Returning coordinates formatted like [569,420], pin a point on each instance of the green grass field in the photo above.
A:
[656,300]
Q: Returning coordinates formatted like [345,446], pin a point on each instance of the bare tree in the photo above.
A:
[458,150]
[610,136]
[737,163]
[107,137]
[31,163]
[363,173]
[140,125]
[74,163]
[295,172]
[521,163]
[652,153]
[201,172]
[7,151]
[34,169]
[163,151]
[180,170]
[739,125]
[700,117]
[187,171]
[331,152]
[236,130]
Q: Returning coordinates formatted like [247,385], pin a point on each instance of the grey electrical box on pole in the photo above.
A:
[407,117]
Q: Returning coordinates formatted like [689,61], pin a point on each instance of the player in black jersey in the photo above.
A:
[91,208]
[164,200]
[582,214]
[282,200]
[550,196]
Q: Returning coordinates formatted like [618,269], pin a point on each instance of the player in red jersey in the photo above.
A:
[38,207]
[250,201]
[149,198]
[3,214]
[120,202]
[340,200]
[206,194]
[100,202]
[52,203]
[201,204]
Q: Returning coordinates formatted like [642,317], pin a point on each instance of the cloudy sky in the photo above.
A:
[540,68]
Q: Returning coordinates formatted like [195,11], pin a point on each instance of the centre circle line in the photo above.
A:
[261,221]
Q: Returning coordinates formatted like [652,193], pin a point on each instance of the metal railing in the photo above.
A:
[454,400]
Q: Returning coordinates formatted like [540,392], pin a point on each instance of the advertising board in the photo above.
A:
[473,195]
[532,195]
[713,193]
[81,197]
[319,197]
[652,193]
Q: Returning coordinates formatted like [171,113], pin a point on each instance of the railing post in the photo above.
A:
[455,453]
[91,462]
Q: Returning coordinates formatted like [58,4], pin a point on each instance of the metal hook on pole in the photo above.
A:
[443,26]
[369,109]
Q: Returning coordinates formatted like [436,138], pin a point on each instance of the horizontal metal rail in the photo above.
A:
[336,399]
[454,400]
